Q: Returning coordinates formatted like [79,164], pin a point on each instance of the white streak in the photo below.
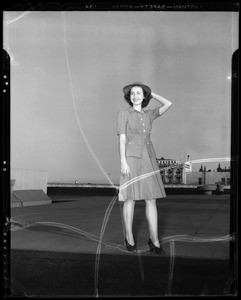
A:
[216,159]
[18,18]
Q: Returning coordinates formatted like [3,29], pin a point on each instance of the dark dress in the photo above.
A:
[145,182]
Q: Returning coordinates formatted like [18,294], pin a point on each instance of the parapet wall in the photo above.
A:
[26,179]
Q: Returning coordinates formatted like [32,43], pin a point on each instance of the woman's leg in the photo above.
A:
[128,215]
[152,219]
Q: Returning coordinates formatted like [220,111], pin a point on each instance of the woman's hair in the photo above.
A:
[145,102]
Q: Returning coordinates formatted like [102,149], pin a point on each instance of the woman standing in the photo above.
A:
[140,174]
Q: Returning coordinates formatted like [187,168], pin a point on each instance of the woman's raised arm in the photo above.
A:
[166,104]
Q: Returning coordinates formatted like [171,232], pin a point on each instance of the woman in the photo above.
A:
[140,174]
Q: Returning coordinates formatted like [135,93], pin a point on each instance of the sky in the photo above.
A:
[68,70]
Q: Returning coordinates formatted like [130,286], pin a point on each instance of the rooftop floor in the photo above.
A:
[194,230]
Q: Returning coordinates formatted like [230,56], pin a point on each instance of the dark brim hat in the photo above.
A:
[127,88]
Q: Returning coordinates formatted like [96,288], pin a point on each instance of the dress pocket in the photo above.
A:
[133,150]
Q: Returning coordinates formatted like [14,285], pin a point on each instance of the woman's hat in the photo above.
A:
[127,88]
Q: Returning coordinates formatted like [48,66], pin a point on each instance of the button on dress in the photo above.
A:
[144,182]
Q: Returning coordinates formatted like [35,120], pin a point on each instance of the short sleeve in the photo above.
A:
[154,113]
[121,122]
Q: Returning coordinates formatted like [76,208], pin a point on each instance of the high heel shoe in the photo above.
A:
[130,248]
[155,249]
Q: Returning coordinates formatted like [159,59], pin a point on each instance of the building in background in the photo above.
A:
[177,172]
[171,170]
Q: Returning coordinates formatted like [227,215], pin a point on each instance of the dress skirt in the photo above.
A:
[144,182]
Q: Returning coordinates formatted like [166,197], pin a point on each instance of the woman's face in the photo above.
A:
[136,95]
